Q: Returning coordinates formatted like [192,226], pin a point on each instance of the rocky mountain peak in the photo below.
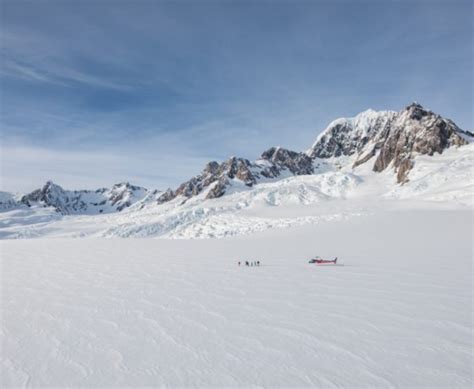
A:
[119,197]
[48,191]
[49,195]
[51,187]
[393,138]
[348,136]
[126,186]
[416,111]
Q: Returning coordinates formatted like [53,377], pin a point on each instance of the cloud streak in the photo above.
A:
[209,80]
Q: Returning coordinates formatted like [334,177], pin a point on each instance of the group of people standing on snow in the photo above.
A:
[252,263]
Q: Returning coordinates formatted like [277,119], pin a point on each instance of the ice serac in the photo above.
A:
[104,200]
[217,177]
[392,138]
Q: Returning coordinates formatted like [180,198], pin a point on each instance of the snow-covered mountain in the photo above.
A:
[8,201]
[354,164]
[393,138]
[273,163]
[104,200]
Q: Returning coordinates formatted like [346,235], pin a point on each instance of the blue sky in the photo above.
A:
[95,92]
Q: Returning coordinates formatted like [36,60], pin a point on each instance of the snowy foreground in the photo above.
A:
[139,312]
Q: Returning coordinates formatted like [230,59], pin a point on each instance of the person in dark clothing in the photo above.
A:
[246,263]
[258,263]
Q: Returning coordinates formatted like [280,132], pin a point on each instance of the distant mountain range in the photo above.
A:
[66,202]
[384,140]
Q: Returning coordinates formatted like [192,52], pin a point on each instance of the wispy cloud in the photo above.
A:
[181,81]
[49,71]
[13,69]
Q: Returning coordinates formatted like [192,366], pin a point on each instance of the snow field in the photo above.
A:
[141,312]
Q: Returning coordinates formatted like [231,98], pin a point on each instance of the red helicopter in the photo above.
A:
[320,261]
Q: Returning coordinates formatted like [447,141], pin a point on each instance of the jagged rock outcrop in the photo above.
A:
[53,195]
[218,177]
[213,173]
[415,131]
[296,163]
[393,138]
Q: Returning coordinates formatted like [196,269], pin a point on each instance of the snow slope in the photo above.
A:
[449,178]
[128,312]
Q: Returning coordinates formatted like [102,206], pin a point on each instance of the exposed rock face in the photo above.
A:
[218,189]
[393,138]
[52,195]
[351,136]
[296,163]
[238,168]
[214,172]
[218,177]
[415,131]
[403,169]
[104,200]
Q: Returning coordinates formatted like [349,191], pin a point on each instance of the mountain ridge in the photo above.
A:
[390,139]
[104,200]
[394,138]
